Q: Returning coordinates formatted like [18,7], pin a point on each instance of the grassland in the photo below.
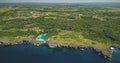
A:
[64,25]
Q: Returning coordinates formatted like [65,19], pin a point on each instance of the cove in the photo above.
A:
[116,55]
[29,53]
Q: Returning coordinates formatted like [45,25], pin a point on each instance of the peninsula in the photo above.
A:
[74,25]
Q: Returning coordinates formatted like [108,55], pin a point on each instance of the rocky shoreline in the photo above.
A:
[98,52]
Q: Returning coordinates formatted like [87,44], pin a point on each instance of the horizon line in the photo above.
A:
[60,2]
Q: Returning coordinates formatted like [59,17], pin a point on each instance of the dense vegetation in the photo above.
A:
[66,23]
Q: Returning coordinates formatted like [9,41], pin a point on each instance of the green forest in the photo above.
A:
[63,24]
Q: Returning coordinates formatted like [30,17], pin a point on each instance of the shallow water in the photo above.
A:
[116,56]
[28,53]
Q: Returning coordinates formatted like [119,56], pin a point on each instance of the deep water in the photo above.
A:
[28,53]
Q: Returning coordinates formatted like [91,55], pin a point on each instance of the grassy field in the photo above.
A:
[68,25]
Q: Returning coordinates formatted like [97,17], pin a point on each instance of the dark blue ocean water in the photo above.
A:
[28,53]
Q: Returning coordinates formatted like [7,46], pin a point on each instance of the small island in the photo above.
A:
[65,25]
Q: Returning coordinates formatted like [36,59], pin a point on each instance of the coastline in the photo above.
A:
[101,53]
